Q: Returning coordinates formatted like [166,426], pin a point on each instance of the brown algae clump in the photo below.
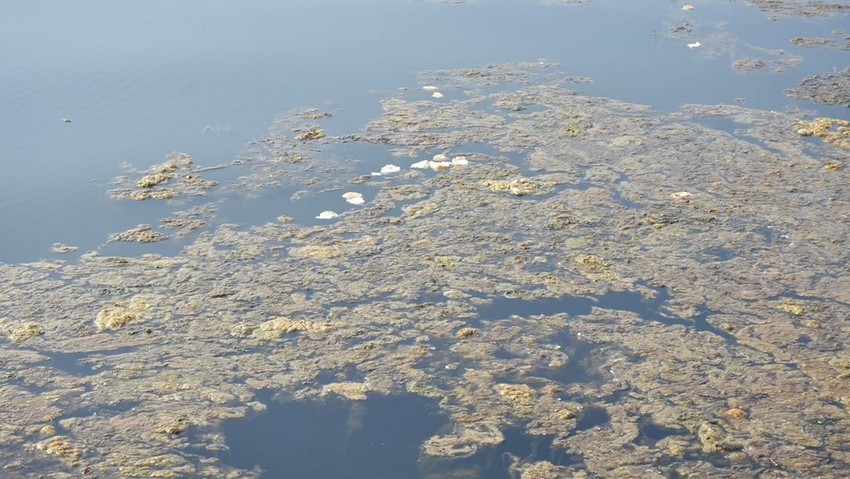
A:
[833,131]
[177,176]
[21,333]
[139,234]
[312,134]
[149,181]
[113,317]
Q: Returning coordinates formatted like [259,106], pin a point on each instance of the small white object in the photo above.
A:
[420,165]
[327,215]
[430,88]
[439,165]
[437,94]
[387,169]
[681,195]
[460,161]
[354,198]
[440,157]
[375,173]
[694,45]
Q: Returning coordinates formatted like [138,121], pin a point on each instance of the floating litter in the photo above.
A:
[354,198]
[420,165]
[694,45]
[430,88]
[327,215]
[460,161]
[687,7]
[437,94]
[439,165]
[387,169]
[441,157]
[681,195]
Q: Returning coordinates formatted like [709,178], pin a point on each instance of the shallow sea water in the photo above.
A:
[140,80]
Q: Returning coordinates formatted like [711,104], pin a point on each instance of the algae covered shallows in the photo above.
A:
[581,312]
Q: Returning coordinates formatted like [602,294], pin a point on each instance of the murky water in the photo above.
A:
[615,286]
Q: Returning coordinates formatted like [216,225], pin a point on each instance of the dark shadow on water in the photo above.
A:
[578,369]
[651,433]
[335,439]
[592,417]
[649,309]
[82,364]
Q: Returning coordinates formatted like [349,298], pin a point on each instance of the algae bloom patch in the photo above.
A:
[113,317]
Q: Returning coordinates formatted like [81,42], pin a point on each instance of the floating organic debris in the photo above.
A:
[139,234]
[827,88]
[114,317]
[21,333]
[833,131]
[63,248]
[150,181]
[352,391]
[813,42]
[173,178]
[518,186]
[314,114]
[311,134]
[275,328]
[67,120]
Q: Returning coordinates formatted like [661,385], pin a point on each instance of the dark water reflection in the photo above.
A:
[335,439]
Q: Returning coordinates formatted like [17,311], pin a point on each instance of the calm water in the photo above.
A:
[142,79]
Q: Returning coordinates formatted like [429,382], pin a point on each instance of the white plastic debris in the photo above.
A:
[694,45]
[387,169]
[687,7]
[681,195]
[430,88]
[354,198]
[439,165]
[420,165]
[327,215]
[437,94]
[460,161]
[440,157]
